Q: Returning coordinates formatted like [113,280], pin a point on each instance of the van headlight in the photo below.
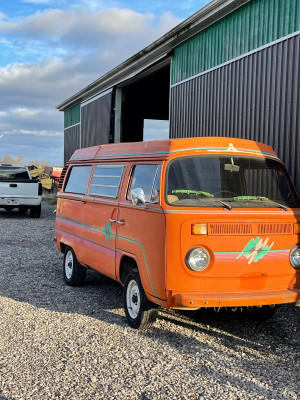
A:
[197,259]
[295,256]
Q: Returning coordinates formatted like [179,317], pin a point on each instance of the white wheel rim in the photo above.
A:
[133,299]
[69,264]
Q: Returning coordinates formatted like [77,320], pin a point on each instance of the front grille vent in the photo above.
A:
[229,229]
[274,229]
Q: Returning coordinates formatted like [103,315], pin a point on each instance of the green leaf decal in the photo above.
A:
[256,249]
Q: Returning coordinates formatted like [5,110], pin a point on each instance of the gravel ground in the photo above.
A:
[58,342]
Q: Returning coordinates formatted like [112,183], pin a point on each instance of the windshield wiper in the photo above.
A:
[261,198]
[285,208]
[189,191]
[207,195]
[226,205]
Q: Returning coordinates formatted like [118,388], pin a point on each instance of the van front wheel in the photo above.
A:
[140,312]
[74,273]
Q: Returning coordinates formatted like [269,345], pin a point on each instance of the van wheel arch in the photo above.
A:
[63,247]
[126,266]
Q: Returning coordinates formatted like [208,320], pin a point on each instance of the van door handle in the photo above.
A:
[112,220]
[121,222]
[78,200]
[13,185]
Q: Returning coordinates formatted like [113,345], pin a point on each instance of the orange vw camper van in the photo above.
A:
[182,224]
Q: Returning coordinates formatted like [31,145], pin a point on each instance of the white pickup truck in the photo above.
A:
[19,190]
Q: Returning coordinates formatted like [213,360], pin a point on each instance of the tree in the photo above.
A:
[39,163]
[6,159]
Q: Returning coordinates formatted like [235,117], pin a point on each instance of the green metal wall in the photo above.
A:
[72,116]
[251,26]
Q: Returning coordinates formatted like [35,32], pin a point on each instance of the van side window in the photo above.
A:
[146,177]
[78,179]
[106,180]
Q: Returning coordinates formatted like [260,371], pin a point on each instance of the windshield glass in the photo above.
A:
[11,172]
[233,182]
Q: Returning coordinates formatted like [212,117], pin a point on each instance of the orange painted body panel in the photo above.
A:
[69,207]
[227,272]
[158,236]
[143,235]
[99,252]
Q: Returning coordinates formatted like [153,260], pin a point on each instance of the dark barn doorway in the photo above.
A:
[147,97]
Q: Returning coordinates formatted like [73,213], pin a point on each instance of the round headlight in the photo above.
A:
[197,259]
[295,256]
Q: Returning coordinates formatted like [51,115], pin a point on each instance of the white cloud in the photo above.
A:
[35,85]
[113,35]
[86,45]
[44,2]
[3,114]
[43,133]
[81,27]
[6,43]
[23,112]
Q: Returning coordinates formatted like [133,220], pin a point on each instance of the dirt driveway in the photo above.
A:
[58,342]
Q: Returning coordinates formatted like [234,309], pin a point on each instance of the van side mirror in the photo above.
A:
[138,196]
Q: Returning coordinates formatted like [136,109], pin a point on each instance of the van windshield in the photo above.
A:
[229,181]
[12,172]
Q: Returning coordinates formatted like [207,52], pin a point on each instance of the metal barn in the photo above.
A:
[231,69]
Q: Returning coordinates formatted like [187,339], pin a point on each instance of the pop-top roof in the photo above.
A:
[170,147]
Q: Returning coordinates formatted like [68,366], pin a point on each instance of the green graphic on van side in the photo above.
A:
[107,231]
[256,249]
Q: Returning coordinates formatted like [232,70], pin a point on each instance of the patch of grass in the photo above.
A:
[50,197]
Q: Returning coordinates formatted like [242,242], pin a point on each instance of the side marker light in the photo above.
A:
[199,229]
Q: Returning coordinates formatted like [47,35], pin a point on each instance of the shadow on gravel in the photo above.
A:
[248,345]
[31,272]
[3,397]
[17,215]
[236,328]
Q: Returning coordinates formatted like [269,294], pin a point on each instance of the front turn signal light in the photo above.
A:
[297,229]
[199,229]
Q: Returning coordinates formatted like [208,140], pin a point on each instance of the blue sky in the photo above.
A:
[50,49]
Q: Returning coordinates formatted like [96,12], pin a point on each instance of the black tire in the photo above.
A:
[74,273]
[140,312]
[35,211]
[260,314]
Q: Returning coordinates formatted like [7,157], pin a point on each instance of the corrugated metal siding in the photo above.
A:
[72,116]
[249,27]
[96,121]
[71,141]
[255,97]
